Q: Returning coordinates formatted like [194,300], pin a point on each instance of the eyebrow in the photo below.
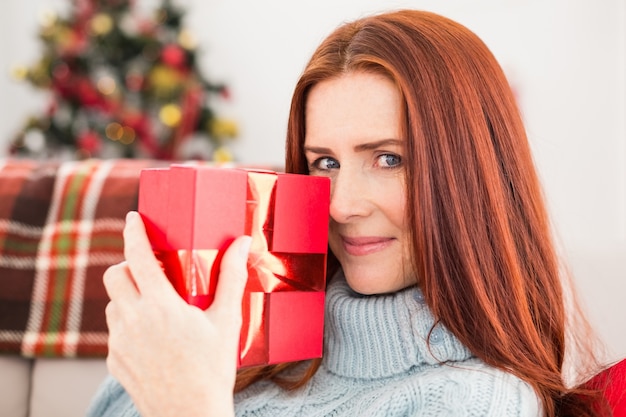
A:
[359,148]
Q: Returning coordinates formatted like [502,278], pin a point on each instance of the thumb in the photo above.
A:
[233,276]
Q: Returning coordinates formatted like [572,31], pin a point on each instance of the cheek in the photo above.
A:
[396,211]
[399,215]
[395,206]
[333,236]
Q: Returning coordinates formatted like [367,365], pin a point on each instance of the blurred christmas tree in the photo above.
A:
[122,86]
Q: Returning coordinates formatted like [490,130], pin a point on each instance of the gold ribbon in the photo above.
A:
[267,271]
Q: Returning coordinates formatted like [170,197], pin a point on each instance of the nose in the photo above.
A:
[349,198]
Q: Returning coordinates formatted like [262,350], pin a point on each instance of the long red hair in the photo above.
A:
[481,237]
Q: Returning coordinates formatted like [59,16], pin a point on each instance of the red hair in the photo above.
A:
[483,251]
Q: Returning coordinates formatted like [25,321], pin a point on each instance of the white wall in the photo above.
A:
[566,59]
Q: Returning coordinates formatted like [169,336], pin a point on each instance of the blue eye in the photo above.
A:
[325,164]
[389,160]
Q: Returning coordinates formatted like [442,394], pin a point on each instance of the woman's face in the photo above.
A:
[353,136]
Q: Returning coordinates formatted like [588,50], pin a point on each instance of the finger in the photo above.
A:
[233,276]
[119,283]
[112,315]
[144,267]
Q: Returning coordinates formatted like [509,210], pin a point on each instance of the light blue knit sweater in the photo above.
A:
[377,362]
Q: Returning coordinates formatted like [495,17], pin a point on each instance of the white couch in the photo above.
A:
[48,387]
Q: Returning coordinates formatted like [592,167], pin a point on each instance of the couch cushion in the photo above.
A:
[64,387]
[14,386]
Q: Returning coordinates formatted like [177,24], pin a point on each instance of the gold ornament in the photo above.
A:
[39,74]
[222,155]
[101,24]
[223,128]
[19,72]
[170,115]
[63,36]
[164,80]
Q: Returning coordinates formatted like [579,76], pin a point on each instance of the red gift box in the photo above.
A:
[192,214]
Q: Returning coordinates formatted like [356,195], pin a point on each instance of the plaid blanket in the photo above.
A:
[60,228]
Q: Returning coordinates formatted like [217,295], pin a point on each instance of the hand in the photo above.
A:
[172,358]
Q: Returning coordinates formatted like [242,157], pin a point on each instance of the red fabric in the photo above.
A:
[612,382]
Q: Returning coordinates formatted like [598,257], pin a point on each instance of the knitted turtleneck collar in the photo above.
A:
[377,336]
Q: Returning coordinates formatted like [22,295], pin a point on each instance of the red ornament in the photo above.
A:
[134,81]
[174,56]
[61,72]
[147,28]
[89,142]
[63,83]
[87,94]
[85,9]
[75,44]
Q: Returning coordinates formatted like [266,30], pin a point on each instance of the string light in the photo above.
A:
[186,40]
[114,131]
[106,85]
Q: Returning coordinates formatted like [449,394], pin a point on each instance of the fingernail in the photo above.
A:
[131,216]
[244,247]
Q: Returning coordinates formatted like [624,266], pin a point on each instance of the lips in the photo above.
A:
[360,246]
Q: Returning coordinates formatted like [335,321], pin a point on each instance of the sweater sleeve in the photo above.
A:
[111,400]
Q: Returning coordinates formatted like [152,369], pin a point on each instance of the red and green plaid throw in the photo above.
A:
[60,228]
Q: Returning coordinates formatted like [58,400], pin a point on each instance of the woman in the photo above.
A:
[447,299]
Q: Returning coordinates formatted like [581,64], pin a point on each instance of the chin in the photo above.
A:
[371,284]
[363,290]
